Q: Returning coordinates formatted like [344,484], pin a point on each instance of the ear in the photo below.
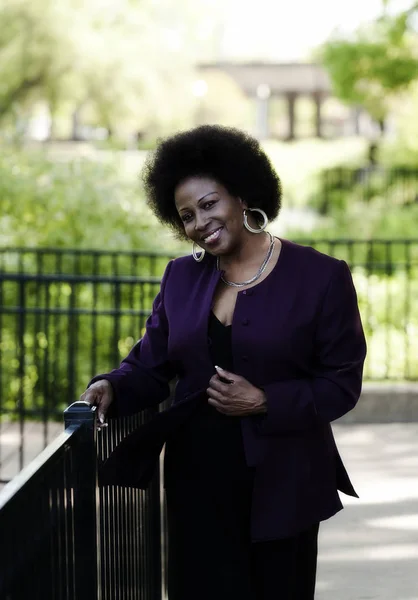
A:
[244,205]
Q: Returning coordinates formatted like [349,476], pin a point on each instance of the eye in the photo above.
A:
[186,217]
[209,204]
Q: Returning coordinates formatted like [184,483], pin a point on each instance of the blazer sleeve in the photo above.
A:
[335,384]
[143,377]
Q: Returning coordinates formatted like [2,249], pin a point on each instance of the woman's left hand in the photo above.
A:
[238,398]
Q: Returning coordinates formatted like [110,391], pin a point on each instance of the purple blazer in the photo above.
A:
[298,336]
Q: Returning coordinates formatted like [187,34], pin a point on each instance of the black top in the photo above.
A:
[209,444]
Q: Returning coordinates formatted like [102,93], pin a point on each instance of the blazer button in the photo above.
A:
[245,321]
[244,358]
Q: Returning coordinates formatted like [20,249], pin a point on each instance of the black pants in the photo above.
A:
[286,569]
[211,556]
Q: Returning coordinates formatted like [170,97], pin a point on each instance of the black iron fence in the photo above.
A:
[57,329]
[63,538]
[340,186]
[50,261]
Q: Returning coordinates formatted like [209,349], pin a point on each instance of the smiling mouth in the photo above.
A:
[213,236]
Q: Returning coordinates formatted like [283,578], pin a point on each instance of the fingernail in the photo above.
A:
[219,368]
[101,419]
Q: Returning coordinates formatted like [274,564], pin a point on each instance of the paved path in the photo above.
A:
[369,551]
[35,437]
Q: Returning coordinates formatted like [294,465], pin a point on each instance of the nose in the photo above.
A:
[200,222]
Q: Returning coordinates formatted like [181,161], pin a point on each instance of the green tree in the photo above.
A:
[379,60]
[125,63]
[36,52]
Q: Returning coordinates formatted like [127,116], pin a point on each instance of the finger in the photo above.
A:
[104,407]
[220,386]
[215,395]
[89,396]
[227,375]
[97,397]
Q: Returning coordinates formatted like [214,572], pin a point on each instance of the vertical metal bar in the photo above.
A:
[153,264]
[72,342]
[77,264]
[84,480]
[36,330]
[1,366]
[388,320]
[141,306]
[94,341]
[57,323]
[407,308]
[21,368]
[156,534]
[116,322]
[369,271]
[42,348]
[136,549]
[131,301]
[113,549]
[103,438]
[46,387]
[70,525]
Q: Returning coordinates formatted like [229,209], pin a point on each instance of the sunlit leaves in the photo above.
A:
[120,64]
[378,61]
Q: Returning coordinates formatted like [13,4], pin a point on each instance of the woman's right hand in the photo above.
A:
[99,394]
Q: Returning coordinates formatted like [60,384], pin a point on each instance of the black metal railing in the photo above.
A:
[64,539]
[340,186]
[57,330]
[69,261]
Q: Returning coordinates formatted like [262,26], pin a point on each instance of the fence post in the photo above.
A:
[84,485]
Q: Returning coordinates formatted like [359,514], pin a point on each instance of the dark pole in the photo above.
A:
[84,485]
[291,100]
[318,116]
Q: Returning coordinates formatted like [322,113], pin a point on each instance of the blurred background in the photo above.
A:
[88,87]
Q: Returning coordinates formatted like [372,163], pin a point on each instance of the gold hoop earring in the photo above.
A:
[196,256]
[264,224]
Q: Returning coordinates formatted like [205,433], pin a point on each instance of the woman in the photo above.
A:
[266,335]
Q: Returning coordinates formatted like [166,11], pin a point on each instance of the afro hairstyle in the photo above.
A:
[230,156]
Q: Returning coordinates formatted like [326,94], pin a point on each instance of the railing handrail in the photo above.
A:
[91,251]
[85,541]
[173,254]
[65,278]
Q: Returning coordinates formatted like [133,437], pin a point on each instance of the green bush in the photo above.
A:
[390,320]
[338,188]
[78,203]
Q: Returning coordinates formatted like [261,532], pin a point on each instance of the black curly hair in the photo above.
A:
[230,156]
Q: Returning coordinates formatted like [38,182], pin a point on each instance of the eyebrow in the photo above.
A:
[205,196]
[200,199]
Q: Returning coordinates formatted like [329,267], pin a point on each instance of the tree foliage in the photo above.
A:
[76,203]
[377,61]
[120,62]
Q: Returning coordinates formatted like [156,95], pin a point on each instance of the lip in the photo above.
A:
[204,239]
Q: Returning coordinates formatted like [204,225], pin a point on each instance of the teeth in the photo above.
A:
[213,236]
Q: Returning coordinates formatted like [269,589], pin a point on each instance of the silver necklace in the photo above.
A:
[259,272]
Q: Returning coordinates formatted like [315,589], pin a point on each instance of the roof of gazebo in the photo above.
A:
[282,78]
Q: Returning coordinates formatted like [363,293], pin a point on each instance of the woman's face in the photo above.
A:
[211,216]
